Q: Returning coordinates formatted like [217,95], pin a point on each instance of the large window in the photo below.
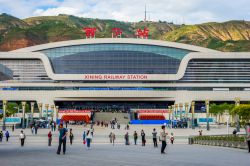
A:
[115,62]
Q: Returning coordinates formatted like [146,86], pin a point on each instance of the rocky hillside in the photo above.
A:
[227,36]
[16,33]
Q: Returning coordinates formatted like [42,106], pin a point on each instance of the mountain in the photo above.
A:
[227,36]
[17,33]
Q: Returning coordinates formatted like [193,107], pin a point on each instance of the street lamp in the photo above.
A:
[46,108]
[176,110]
[207,109]
[237,103]
[192,106]
[4,113]
[32,111]
[52,111]
[180,106]
[57,109]
[173,112]
[40,106]
[186,111]
[169,114]
[23,107]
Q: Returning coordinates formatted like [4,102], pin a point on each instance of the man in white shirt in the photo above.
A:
[163,139]
[22,137]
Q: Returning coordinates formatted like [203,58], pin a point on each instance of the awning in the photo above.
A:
[84,118]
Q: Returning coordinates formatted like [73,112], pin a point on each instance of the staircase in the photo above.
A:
[122,118]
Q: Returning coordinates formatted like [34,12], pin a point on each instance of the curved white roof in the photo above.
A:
[115,40]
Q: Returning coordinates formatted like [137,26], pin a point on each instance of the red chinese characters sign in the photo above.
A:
[89,32]
[116,32]
[142,33]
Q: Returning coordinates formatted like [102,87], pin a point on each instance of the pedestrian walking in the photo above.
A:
[112,138]
[54,126]
[143,138]
[32,129]
[71,136]
[126,137]
[200,132]
[163,139]
[36,129]
[49,138]
[88,139]
[1,136]
[154,133]
[172,138]
[135,137]
[62,139]
[84,136]
[13,128]
[22,137]
[7,135]
[91,131]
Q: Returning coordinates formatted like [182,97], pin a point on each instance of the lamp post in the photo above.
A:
[192,106]
[186,111]
[32,111]
[23,108]
[57,109]
[237,119]
[52,111]
[46,108]
[40,107]
[173,112]
[169,114]
[207,109]
[176,110]
[180,107]
[4,113]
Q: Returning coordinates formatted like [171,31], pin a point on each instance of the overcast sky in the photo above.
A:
[178,11]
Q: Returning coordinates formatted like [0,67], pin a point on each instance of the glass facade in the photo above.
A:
[115,59]
[115,62]
[69,50]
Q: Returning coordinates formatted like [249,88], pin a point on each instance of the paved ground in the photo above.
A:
[101,133]
[121,155]
[36,152]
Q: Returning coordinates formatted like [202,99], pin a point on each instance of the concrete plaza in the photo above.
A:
[36,152]
[121,155]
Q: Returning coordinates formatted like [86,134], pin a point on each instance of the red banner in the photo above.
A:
[74,111]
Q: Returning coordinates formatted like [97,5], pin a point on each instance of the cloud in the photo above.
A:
[178,11]
[56,11]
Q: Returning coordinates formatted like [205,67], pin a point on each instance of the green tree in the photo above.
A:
[11,108]
[243,110]
[220,109]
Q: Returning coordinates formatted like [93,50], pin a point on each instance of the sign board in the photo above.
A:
[74,111]
[1,111]
[152,111]
[12,120]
